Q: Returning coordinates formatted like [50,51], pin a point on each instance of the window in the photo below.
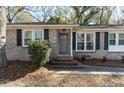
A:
[80,41]
[85,41]
[112,39]
[89,41]
[121,38]
[116,41]
[38,35]
[31,35]
[27,37]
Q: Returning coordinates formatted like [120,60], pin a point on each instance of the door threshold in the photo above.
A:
[64,55]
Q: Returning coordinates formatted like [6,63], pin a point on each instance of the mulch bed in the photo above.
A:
[108,63]
[18,69]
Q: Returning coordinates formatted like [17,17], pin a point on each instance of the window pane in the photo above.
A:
[27,40]
[80,46]
[112,36]
[89,46]
[28,34]
[121,36]
[38,34]
[121,42]
[36,39]
[89,37]
[80,37]
[112,42]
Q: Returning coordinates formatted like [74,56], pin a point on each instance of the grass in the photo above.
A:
[21,74]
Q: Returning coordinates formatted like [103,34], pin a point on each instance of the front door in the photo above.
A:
[63,43]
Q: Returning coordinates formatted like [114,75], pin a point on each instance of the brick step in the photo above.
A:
[63,63]
[64,58]
[65,67]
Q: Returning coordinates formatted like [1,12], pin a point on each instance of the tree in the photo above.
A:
[3,58]
[55,19]
[84,13]
[12,12]
[41,13]
[105,14]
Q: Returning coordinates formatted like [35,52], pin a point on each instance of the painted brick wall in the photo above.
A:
[98,54]
[15,52]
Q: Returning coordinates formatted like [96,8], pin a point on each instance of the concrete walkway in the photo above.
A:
[86,69]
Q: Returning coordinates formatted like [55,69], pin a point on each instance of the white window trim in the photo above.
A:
[116,47]
[120,39]
[94,35]
[116,41]
[33,35]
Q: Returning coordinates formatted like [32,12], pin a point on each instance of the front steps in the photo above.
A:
[64,58]
[64,65]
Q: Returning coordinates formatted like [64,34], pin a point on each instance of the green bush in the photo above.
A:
[39,52]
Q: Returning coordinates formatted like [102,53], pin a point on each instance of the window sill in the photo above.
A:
[85,51]
[24,46]
[115,51]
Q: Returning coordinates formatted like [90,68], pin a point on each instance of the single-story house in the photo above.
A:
[67,41]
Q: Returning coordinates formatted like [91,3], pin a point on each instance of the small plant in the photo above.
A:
[104,59]
[39,52]
[122,58]
[83,58]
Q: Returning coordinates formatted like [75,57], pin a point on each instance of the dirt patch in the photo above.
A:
[21,74]
[56,80]
[16,70]
[108,63]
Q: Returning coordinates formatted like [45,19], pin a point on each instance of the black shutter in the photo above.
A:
[106,41]
[46,34]
[97,40]
[19,37]
[74,40]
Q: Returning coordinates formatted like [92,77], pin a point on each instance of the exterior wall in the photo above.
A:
[98,54]
[54,42]
[13,51]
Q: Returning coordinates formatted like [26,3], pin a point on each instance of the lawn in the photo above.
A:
[22,74]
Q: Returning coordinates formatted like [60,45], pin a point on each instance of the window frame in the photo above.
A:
[116,47]
[110,39]
[33,35]
[85,41]
[120,39]
[80,41]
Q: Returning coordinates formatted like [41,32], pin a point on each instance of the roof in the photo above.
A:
[101,26]
[39,25]
[61,25]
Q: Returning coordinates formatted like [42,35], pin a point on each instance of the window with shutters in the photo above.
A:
[116,41]
[116,38]
[85,41]
[31,35]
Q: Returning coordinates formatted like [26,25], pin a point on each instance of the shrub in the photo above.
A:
[83,58]
[39,52]
[104,59]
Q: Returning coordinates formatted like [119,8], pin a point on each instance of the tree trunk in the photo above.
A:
[101,22]
[3,57]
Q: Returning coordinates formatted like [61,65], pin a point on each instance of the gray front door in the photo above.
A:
[63,43]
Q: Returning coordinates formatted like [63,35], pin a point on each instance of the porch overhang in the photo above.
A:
[40,26]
